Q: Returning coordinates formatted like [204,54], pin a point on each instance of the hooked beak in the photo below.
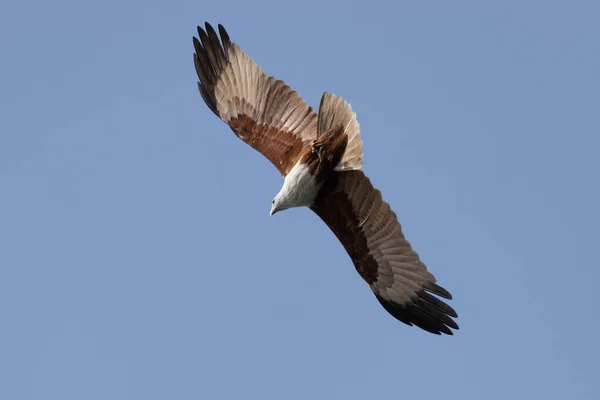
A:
[273,209]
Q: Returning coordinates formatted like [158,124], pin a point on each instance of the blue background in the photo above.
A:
[138,259]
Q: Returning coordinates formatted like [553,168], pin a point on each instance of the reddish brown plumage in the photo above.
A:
[336,210]
[325,153]
[281,147]
[274,120]
[261,110]
[372,236]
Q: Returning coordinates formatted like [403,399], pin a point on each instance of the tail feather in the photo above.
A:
[335,111]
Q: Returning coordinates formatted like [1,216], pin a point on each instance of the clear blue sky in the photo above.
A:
[138,259]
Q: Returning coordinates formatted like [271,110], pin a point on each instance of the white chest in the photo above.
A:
[300,188]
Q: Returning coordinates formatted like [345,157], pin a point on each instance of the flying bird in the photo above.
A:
[320,157]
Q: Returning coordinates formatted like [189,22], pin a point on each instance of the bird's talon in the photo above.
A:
[318,148]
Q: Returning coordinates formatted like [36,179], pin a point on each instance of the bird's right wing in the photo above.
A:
[371,234]
[261,110]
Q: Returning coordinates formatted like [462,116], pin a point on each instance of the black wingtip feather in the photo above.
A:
[225,40]
[436,314]
[211,58]
[437,303]
[440,291]
[424,313]
[207,99]
[224,35]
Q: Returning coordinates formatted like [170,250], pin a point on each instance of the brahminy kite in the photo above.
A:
[320,156]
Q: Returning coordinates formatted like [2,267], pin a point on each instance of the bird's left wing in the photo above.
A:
[261,110]
[371,234]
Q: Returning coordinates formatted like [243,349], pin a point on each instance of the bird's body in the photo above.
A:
[316,162]
[300,188]
[320,157]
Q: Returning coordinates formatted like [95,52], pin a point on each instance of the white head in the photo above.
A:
[299,190]
[283,200]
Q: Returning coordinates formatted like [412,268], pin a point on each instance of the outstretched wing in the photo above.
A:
[372,236]
[261,110]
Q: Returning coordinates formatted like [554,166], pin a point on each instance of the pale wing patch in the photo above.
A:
[261,110]
[243,88]
[372,236]
[385,241]
[335,111]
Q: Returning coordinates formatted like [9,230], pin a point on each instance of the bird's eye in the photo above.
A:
[273,202]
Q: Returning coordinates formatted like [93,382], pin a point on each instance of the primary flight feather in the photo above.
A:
[320,156]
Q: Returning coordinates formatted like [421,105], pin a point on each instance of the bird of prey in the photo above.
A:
[320,157]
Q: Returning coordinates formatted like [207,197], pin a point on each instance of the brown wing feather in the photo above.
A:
[262,111]
[371,234]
